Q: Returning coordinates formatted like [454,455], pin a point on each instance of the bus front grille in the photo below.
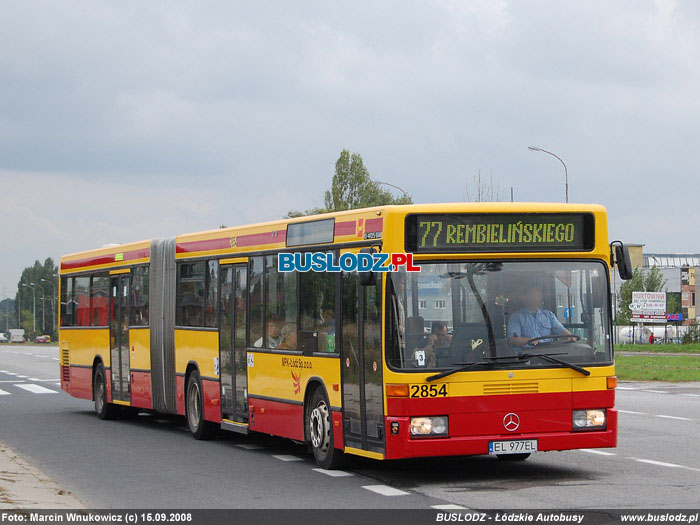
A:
[497,389]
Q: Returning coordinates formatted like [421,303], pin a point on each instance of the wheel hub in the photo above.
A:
[320,427]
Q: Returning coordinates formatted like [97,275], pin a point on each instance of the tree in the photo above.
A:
[41,314]
[482,190]
[352,188]
[641,281]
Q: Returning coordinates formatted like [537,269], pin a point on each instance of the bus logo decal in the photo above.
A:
[296,383]
[511,422]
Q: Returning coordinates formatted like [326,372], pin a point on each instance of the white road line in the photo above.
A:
[55,358]
[625,388]
[10,373]
[601,452]
[250,446]
[674,417]
[286,457]
[13,381]
[689,395]
[656,391]
[3,393]
[449,506]
[37,389]
[630,412]
[43,380]
[58,384]
[333,473]
[23,377]
[385,490]
[659,463]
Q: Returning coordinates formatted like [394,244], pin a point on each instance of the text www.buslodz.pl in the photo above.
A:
[347,262]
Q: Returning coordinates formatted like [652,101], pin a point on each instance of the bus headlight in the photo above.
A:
[429,426]
[589,419]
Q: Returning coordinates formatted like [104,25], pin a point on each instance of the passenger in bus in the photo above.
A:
[274,332]
[532,321]
[438,338]
[288,339]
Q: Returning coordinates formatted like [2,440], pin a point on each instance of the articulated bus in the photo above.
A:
[497,341]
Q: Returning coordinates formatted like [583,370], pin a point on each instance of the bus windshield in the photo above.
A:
[500,314]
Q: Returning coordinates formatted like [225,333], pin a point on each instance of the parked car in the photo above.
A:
[3,338]
[42,339]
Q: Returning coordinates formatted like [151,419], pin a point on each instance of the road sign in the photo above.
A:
[648,307]
[674,317]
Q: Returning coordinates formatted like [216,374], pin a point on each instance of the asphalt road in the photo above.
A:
[147,462]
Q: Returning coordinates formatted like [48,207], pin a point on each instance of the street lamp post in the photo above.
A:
[43,307]
[405,193]
[566,171]
[33,308]
[54,298]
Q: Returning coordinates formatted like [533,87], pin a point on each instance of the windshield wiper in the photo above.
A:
[548,357]
[488,361]
[458,369]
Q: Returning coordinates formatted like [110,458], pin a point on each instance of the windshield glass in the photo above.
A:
[452,314]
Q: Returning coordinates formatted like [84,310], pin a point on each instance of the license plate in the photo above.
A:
[513,446]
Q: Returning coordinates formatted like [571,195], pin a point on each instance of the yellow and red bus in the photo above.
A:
[386,365]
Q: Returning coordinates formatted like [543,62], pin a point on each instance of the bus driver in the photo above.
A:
[532,321]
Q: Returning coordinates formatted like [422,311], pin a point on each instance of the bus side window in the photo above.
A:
[317,310]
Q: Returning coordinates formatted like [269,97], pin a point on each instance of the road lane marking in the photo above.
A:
[674,417]
[37,389]
[659,463]
[250,446]
[691,395]
[630,412]
[43,380]
[10,373]
[333,473]
[23,377]
[656,391]
[601,452]
[286,457]
[3,393]
[385,490]
[625,388]
[449,506]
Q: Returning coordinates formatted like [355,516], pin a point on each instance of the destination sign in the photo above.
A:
[312,232]
[504,232]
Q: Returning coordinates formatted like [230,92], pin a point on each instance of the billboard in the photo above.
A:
[648,307]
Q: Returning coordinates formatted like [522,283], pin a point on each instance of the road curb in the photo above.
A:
[23,486]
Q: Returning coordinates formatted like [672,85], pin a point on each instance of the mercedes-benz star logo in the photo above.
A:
[511,422]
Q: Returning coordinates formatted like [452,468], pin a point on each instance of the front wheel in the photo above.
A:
[200,428]
[99,394]
[512,457]
[320,425]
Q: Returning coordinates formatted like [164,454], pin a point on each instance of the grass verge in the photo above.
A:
[660,349]
[657,367]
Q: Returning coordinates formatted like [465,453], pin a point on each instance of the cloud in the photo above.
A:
[142,120]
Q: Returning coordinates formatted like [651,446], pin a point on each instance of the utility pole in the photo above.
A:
[54,301]
[33,308]
[43,308]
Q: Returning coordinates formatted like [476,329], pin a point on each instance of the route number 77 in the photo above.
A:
[433,228]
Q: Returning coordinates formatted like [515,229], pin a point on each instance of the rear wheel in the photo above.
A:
[200,428]
[513,457]
[320,425]
[99,394]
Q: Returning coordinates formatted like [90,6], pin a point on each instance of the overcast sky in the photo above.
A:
[121,121]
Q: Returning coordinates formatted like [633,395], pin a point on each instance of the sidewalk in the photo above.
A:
[24,487]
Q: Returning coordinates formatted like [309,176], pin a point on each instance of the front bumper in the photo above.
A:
[402,445]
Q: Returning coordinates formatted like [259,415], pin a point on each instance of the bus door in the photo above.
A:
[119,336]
[361,364]
[232,348]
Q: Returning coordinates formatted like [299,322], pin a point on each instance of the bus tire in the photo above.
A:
[512,457]
[320,425]
[103,409]
[194,409]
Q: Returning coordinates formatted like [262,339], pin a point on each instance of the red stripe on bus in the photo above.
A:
[224,243]
[105,259]
[345,228]
[141,390]
[374,225]
[277,418]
